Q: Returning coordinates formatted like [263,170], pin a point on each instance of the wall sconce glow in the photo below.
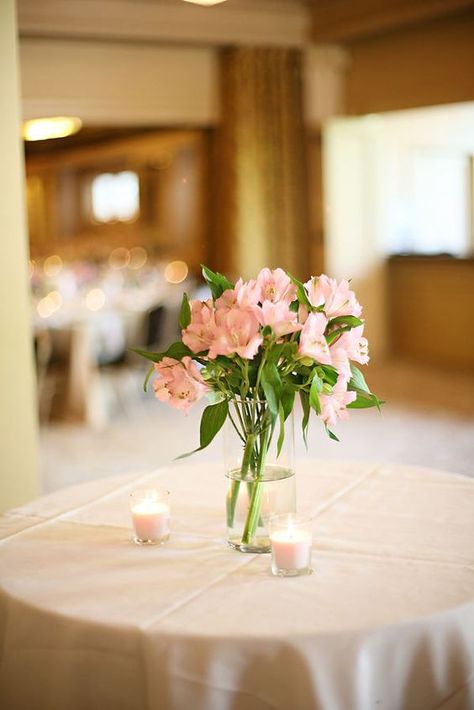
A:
[43,129]
[207,3]
[176,272]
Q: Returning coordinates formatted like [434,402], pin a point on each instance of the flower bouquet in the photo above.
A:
[252,349]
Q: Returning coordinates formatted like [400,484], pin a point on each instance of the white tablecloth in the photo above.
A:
[89,620]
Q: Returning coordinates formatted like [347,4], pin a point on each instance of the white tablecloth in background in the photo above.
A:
[89,620]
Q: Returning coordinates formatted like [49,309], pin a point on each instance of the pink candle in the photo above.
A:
[150,516]
[291,550]
[291,540]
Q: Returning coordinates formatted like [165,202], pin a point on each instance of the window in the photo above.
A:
[115,197]
[440,202]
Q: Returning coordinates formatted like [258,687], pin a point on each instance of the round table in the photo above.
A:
[90,620]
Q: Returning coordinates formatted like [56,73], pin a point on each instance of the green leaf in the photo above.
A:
[185,313]
[331,337]
[149,373]
[212,421]
[271,384]
[304,397]
[314,391]
[346,320]
[224,361]
[294,305]
[281,438]
[154,357]
[300,292]
[358,380]
[214,397]
[329,373]
[176,351]
[330,433]
[276,351]
[358,384]
[287,399]
[364,402]
[218,283]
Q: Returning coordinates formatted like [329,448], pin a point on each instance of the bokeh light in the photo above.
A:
[176,272]
[49,304]
[138,258]
[119,258]
[52,265]
[95,299]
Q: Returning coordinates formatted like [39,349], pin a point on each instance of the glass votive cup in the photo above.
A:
[291,538]
[150,509]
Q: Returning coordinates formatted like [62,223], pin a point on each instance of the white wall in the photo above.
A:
[425,156]
[324,82]
[368,176]
[354,247]
[18,445]
[118,83]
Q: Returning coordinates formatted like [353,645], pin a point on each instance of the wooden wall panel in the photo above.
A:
[343,20]
[431,310]
[419,66]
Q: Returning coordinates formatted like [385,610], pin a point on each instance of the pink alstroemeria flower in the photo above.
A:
[355,345]
[199,334]
[248,293]
[350,346]
[275,286]
[312,340]
[338,299]
[238,332]
[227,301]
[245,294]
[279,317]
[340,360]
[178,383]
[333,406]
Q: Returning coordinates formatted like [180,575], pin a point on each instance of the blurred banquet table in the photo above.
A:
[90,620]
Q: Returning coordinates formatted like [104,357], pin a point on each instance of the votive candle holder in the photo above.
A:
[150,509]
[291,539]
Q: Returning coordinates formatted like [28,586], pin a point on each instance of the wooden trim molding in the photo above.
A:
[348,20]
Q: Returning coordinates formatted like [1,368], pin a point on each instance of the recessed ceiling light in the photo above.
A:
[43,129]
[208,3]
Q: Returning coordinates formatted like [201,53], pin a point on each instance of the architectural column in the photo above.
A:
[18,423]
[261,197]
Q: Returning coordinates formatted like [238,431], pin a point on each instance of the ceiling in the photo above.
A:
[263,22]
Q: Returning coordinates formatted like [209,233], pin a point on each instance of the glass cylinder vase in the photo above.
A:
[259,471]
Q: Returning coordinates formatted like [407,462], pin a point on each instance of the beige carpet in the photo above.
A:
[428,420]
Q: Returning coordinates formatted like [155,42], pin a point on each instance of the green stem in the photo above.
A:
[235,485]
[257,489]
